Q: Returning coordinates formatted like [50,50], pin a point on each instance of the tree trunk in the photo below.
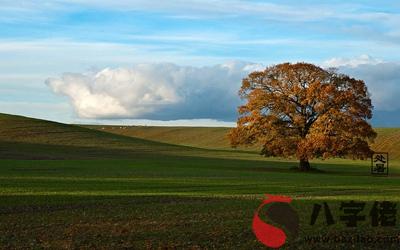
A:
[304,164]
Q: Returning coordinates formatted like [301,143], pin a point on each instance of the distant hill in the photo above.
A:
[28,138]
[388,139]
[203,137]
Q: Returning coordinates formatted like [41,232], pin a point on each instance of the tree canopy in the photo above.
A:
[305,111]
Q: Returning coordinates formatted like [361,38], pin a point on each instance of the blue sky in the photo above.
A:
[100,61]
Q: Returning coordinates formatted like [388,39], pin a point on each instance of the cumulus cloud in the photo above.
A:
[162,91]
[167,91]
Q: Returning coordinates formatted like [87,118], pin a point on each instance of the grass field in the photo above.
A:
[66,186]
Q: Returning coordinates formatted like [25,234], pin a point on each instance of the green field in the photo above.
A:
[68,186]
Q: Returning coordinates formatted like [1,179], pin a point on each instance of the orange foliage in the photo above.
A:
[303,110]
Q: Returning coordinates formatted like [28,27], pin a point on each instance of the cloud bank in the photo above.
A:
[167,91]
[382,78]
[162,91]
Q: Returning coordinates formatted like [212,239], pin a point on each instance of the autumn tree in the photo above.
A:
[305,111]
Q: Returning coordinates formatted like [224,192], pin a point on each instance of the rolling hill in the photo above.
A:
[388,139]
[202,137]
[115,190]
[22,137]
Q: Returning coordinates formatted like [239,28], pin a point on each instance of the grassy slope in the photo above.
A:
[203,137]
[155,195]
[24,131]
[388,139]
[28,138]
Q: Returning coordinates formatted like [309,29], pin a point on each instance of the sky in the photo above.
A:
[181,62]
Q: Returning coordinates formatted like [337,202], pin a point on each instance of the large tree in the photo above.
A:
[305,111]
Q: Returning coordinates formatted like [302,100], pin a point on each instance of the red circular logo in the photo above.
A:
[279,212]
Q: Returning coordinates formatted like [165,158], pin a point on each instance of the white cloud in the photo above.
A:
[351,62]
[158,91]
[165,91]
[112,93]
